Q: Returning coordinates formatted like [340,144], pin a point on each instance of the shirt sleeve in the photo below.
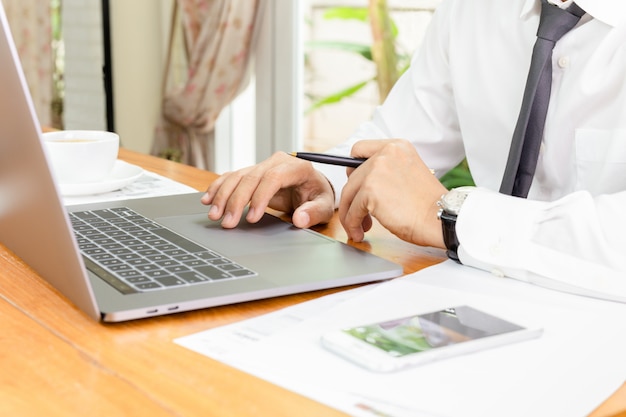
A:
[572,244]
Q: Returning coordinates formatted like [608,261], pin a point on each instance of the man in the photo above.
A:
[461,98]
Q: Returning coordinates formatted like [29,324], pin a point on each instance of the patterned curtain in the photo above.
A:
[220,36]
[30,27]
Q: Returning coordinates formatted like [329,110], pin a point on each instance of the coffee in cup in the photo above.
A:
[81,156]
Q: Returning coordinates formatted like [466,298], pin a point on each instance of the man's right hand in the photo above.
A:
[282,183]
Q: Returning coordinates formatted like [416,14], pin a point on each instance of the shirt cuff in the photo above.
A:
[543,243]
[493,230]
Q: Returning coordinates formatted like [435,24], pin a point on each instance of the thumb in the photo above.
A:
[313,212]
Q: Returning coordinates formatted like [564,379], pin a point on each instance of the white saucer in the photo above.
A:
[122,175]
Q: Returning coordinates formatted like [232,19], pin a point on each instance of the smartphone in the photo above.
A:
[409,341]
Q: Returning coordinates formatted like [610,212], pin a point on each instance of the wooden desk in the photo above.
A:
[55,361]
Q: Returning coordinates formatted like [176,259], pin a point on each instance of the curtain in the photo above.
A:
[31,29]
[220,36]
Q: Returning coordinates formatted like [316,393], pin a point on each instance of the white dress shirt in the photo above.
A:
[461,98]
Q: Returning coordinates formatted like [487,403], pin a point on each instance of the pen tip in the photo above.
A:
[293,153]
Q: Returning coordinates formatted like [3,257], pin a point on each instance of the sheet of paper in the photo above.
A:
[148,185]
[569,371]
[227,342]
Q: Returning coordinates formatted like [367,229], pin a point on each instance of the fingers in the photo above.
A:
[353,207]
[281,182]
[395,187]
[232,192]
[310,213]
[269,183]
[368,147]
[228,203]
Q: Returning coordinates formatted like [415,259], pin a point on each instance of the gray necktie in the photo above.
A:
[520,168]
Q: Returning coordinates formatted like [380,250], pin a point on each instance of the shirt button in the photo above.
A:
[563,62]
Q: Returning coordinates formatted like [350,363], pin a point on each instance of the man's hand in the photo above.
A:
[397,188]
[281,182]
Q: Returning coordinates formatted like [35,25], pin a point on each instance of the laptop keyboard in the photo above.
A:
[134,254]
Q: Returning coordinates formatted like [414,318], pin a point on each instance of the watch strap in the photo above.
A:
[448,226]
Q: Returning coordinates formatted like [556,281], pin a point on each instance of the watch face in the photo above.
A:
[453,200]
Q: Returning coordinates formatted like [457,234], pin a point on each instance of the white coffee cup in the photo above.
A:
[81,156]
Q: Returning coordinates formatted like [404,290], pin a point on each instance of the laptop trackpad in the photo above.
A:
[269,235]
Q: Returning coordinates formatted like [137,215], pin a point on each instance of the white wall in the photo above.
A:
[139,32]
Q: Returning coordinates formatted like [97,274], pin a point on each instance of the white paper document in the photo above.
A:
[570,370]
[148,185]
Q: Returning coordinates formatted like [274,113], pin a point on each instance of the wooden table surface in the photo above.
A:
[55,361]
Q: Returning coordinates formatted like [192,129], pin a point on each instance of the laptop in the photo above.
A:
[173,258]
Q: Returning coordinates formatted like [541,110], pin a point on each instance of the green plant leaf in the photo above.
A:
[347,13]
[360,14]
[457,176]
[338,96]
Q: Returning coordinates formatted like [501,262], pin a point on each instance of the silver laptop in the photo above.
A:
[146,257]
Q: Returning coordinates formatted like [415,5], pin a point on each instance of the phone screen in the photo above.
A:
[424,332]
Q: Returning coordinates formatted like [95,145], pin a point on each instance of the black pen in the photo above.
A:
[344,161]
[324,158]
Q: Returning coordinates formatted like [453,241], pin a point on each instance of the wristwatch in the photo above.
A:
[449,208]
